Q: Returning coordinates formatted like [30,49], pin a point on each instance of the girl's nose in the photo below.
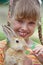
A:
[24,27]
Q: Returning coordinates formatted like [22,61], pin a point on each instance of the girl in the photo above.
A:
[24,18]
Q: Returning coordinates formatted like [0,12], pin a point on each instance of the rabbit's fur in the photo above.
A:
[15,53]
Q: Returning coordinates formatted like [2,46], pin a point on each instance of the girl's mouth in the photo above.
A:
[23,34]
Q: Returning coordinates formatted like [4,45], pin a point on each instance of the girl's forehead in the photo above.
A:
[25,19]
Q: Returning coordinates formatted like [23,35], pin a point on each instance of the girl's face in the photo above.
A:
[24,27]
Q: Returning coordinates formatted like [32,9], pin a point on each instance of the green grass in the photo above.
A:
[2,36]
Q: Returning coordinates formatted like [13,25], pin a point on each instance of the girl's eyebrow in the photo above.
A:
[19,19]
[32,22]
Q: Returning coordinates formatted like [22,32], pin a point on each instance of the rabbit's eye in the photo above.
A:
[17,41]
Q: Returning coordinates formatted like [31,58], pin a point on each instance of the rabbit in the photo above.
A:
[15,53]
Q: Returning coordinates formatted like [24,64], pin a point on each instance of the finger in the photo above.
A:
[41,52]
[39,45]
[36,50]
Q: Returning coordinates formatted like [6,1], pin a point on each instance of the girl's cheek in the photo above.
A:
[16,25]
[31,29]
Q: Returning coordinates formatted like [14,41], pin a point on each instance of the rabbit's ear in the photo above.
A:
[9,32]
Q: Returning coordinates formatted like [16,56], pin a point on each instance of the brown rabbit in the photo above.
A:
[15,54]
[16,51]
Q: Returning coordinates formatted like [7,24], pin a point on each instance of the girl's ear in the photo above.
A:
[9,32]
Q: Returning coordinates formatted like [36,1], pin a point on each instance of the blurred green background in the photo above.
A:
[4,7]
[4,1]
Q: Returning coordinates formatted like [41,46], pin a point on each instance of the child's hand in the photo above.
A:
[38,52]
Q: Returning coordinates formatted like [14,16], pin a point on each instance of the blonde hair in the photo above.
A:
[40,32]
[27,9]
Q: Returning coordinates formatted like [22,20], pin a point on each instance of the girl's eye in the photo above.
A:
[20,21]
[31,23]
